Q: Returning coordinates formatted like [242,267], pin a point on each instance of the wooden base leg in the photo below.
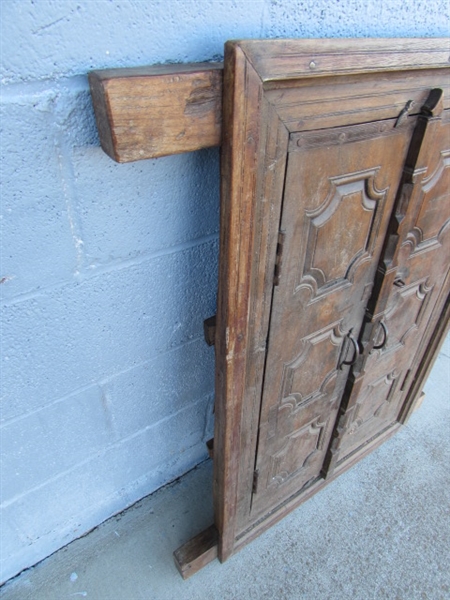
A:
[197,552]
[419,401]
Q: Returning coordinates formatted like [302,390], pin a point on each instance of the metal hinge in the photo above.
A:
[255,481]
[279,257]
[404,113]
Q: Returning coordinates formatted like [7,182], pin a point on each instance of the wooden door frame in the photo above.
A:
[249,217]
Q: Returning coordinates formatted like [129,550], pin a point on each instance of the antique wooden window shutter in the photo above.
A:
[334,258]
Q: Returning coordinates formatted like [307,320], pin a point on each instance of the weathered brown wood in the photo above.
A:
[255,529]
[209,330]
[337,101]
[250,209]
[440,325]
[419,401]
[322,293]
[417,252]
[147,112]
[293,59]
[197,552]
[339,159]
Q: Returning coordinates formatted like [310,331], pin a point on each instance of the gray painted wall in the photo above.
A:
[108,270]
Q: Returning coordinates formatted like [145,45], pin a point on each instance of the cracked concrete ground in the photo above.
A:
[382,530]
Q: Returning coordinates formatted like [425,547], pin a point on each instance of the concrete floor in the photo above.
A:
[382,530]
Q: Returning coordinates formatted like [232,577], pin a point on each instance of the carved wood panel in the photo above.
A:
[339,191]
[434,210]
[412,283]
[316,155]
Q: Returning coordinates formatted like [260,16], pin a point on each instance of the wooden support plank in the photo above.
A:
[209,330]
[146,112]
[419,402]
[197,552]
[210,447]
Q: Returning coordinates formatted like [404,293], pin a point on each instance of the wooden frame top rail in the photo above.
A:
[147,112]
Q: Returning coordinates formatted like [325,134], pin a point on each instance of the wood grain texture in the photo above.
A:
[148,112]
[241,116]
[326,116]
[334,101]
[270,519]
[322,293]
[293,59]
[416,253]
[253,165]
[197,552]
[440,327]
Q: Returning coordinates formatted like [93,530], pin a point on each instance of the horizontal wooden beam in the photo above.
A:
[146,112]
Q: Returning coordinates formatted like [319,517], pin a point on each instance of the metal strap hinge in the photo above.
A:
[255,481]
[279,257]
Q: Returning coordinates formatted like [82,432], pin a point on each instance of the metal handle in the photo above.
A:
[385,337]
[355,355]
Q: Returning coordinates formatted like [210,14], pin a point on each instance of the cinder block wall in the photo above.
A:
[107,271]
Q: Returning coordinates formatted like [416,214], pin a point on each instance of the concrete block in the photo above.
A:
[108,323]
[66,507]
[11,539]
[45,443]
[37,244]
[24,551]
[71,38]
[209,422]
[131,209]
[74,112]
[335,18]
[158,388]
